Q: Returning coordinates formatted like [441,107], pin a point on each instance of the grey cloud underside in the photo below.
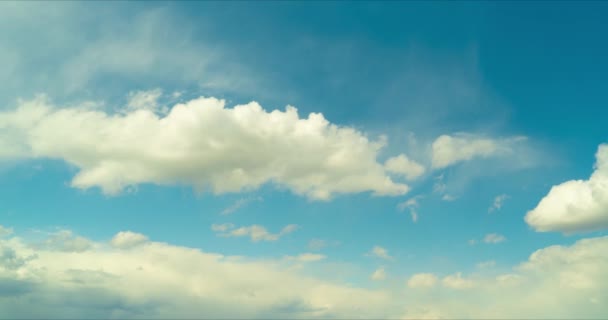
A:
[156,280]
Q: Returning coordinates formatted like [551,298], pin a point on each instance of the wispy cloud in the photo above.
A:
[380,252]
[239,204]
[255,232]
[494,238]
[498,203]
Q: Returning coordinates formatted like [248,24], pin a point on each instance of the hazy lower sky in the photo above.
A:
[304,159]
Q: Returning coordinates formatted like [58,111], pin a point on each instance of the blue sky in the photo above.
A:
[443,155]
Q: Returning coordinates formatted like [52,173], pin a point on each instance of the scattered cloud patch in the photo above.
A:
[222,227]
[146,100]
[379,274]
[380,252]
[128,239]
[4,231]
[317,244]
[456,281]
[402,165]
[255,232]
[240,203]
[65,240]
[575,205]
[498,202]
[448,150]
[412,205]
[422,280]
[307,257]
[486,264]
[494,238]
[448,197]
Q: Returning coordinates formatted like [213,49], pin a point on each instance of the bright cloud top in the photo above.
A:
[203,144]
[128,239]
[402,165]
[575,205]
[448,150]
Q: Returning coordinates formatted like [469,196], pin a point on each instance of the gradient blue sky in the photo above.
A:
[483,73]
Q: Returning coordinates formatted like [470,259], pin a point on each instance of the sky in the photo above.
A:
[306,160]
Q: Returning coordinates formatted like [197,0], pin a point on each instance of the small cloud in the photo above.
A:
[221,227]
[439,186]
[128,239]
[412,205]
[146,100]
[255,232]
[456,281]
[472,242]
[307,257]
[379,274]
[448,150]
[498,202]
[5,231]
[66,241]
[494,238]
[448,197]
[486,264]
[402,165]
[422,280]
[317,244]
[240,203]
[380,252]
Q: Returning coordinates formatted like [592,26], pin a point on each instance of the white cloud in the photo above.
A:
[4,231]
[448,197]
[575,205]
[486,264]
[146,100]
[222,227]
[255,232]
[163,281]
[159,280]
[380,252]
[65,240]
[128,239]
[200,143]
[498,202]
[448,150]
[494,238]
[317,244]
[411,204]
[378,275]
[456,281]
[240,203]
[422,280]
[308,257]
[402,165]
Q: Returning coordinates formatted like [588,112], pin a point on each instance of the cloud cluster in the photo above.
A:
[200,143]
[575,205]
[156,280]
